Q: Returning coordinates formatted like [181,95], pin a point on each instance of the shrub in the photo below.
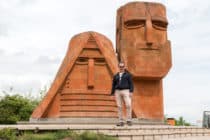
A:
[65,135]
[15,108]
[10,134]
[56,135]
[181,122]
[7,134]
[87,135]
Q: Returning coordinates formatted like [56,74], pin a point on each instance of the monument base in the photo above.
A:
[134,132]
[90,121]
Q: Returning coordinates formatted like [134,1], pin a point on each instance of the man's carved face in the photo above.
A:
[141,37]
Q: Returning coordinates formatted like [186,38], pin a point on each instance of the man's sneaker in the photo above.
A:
[120,124]
[129,123]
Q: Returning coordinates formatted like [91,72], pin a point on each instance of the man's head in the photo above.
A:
[121,66]
[142,39]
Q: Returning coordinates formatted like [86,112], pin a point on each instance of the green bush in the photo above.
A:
[87,135]
[10,134]
[181,122]
[15,108]
[7,134]
[57,135]
[60,135]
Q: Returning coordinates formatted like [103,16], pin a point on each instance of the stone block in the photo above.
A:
[157,137]
[125,138]
[138,138]
[164,136]
[148,137]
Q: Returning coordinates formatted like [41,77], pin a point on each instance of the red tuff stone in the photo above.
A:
[141,42]
[82,85]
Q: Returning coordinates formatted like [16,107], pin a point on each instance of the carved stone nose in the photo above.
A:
[149,44]
[90,77]
[148,32]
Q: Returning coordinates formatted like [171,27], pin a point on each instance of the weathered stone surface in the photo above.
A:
[129,132]
[141,41]
[82,85]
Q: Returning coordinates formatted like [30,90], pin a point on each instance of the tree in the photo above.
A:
[15,108]
[181,122]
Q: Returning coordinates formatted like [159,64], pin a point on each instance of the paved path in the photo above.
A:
[192,138]
[135,132]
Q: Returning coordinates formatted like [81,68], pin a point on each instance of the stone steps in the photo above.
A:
[103,97]
[88,114]
[90,120]
[135,132]
[87,105]
[88,102]
[89,108]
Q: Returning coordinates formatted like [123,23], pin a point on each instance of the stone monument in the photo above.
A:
[82,85]
[141,42]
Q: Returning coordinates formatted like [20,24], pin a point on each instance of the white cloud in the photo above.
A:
[1,51]
[34,35]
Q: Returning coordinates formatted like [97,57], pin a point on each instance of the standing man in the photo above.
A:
[122,88]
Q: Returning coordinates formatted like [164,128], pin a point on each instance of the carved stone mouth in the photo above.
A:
[148,48]
[154,46]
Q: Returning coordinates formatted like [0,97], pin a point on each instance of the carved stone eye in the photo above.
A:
[159,25]
[131,24]
[100,61]
[82,60]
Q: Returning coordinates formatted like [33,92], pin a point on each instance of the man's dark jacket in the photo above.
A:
[125,83]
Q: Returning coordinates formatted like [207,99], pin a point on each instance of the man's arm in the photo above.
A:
[113,85]
[130,83]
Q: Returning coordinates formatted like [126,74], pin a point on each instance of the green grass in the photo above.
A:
[9,134]
[57,135]
[87,135]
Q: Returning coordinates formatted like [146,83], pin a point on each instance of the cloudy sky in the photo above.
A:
[34,35]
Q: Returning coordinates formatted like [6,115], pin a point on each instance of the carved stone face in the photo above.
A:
[92,67]
[90,70]
[142,39]
[82,85]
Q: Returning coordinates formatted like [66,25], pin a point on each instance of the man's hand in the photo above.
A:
[131,94]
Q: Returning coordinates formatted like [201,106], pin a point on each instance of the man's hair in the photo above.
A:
[121,62]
